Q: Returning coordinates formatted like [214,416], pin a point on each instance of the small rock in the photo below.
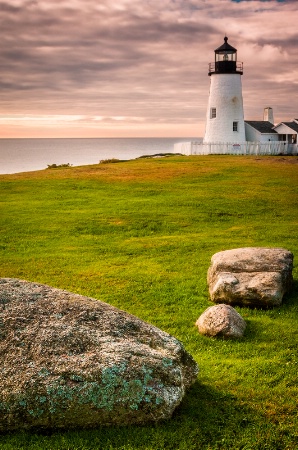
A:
[251,276]
[221,320]
[69,361]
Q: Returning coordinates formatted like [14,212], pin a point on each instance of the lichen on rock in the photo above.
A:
[70,361]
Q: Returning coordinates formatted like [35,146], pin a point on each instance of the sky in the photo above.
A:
[138,68]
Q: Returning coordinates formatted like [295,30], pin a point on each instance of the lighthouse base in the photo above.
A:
[230,148]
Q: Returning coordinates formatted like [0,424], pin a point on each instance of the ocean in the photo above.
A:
[25,155]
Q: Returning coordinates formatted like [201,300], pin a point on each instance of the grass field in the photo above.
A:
[140,235]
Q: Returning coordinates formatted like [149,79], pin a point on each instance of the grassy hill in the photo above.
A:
[140,235]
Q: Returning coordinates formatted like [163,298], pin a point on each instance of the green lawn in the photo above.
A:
[140,235]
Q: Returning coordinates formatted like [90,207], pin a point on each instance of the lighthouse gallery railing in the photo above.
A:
[226,67]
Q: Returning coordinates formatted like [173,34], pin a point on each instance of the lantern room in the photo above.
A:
[225,60]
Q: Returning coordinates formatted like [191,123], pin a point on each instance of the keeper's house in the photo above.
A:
[265,131]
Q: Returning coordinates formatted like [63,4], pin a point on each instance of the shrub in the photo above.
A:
[107,161]
[58,166]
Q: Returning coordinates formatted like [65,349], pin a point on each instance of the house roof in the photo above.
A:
[292,125]
[263,126]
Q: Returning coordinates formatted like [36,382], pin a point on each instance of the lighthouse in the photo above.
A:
[226,131]
[225,118]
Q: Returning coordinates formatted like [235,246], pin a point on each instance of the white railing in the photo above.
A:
[230,148]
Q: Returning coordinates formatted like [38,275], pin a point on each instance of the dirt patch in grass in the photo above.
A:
[280,160]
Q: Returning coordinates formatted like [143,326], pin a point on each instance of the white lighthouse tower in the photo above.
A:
[225,118]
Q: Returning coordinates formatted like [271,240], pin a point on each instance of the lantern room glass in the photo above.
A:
[225,56]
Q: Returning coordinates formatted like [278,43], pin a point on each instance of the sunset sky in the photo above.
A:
[138,68]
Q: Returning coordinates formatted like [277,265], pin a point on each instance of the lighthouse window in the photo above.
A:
[212,113]
[235,126]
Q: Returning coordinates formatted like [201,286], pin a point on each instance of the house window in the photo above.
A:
[212,113]
[235,126]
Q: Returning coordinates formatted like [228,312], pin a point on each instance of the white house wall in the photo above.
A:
[268,137]
[284,129]
[253,135]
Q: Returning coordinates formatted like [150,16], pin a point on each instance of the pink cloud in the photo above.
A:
[141,59]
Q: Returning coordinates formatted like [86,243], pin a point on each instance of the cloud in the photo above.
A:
[146,60]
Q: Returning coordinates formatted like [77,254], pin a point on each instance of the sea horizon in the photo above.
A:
[31,154]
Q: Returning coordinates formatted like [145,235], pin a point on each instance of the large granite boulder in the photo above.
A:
[221,321]
[69,361]
[251,276]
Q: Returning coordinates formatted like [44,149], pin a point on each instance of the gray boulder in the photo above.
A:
[69,361]
[222,321]
[252,276]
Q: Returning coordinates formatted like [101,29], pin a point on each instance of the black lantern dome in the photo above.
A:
[225,60]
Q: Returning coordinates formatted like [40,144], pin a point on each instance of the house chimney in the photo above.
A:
[268,115]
